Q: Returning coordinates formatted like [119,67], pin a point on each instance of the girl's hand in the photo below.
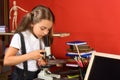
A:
[35,54]
[41,62]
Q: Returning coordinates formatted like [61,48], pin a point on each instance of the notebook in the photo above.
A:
[103,66]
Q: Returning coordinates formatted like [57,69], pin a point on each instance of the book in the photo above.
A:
[80,50]
[76,43]
[84,54]
[72,65]
[3,28]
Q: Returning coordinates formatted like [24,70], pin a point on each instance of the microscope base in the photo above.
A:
[47,76]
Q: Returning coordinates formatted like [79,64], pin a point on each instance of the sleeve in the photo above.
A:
[15,41]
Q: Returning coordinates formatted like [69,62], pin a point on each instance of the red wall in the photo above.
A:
[94,21]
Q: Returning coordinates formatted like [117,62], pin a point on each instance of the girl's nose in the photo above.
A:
[46,32]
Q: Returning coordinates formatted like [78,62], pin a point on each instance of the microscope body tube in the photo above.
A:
[47,46]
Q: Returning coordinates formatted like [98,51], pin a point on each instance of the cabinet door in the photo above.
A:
[4,12]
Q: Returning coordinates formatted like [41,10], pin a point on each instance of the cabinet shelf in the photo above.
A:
[55,35]
[6,34]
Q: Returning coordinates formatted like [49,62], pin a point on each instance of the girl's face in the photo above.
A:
[42,28]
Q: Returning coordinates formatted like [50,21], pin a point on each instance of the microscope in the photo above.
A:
[45,73]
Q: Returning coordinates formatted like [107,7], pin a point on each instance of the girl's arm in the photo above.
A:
[12,59]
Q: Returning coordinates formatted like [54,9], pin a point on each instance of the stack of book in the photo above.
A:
[3,28]
[80,53]
[84,49]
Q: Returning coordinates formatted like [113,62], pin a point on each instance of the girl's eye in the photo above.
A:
[42,28]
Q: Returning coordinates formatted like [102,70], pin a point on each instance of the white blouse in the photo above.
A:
[31,43]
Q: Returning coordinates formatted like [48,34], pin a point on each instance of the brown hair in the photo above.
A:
[36,15]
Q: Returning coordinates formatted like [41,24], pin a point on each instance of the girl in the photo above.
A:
[34,26]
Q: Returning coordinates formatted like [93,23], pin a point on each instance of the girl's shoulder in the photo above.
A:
[24,33]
